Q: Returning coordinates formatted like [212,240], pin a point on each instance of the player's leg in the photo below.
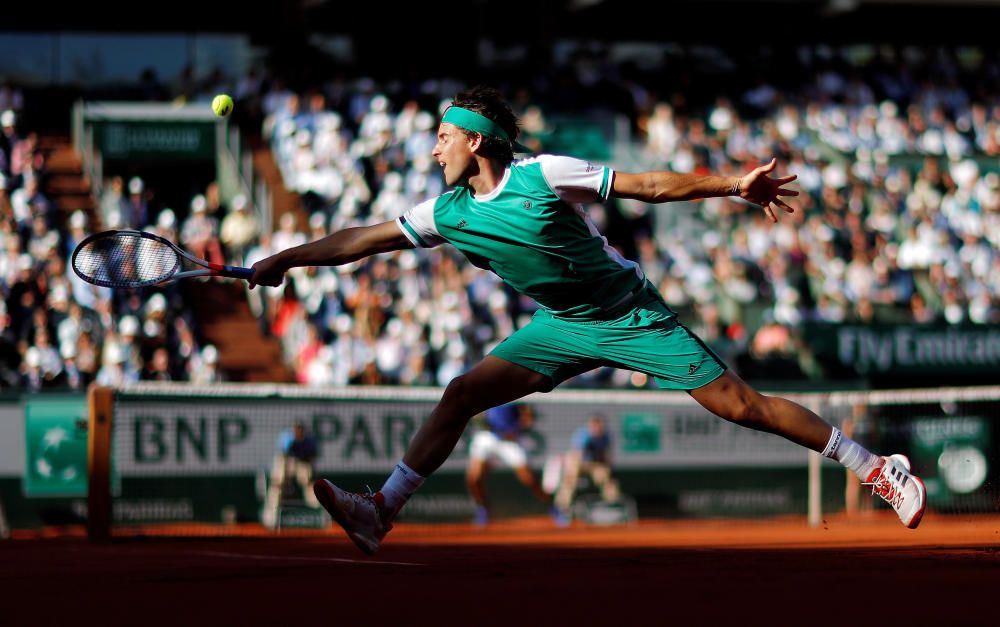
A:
[492,382]
[367,517]
[733,399]
[525,475]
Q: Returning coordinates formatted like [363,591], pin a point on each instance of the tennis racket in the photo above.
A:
[133,259]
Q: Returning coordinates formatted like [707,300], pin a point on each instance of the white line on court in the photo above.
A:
[285,558]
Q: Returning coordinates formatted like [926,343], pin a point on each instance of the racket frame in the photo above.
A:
[207,268]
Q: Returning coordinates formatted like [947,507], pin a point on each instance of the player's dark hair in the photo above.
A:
[488,102]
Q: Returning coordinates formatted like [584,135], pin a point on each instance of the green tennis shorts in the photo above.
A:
[643,335]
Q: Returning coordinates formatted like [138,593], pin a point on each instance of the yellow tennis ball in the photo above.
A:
[222,105]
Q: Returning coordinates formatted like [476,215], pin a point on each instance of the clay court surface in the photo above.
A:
[867,571]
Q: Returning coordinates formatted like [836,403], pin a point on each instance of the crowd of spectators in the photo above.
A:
[898,221]
[57,331]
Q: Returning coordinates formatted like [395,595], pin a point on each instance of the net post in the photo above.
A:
[815,511]
[100,404]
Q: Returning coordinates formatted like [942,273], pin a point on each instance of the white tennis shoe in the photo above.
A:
[897,486]
[359,514]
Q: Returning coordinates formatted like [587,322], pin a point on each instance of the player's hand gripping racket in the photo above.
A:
[132,259]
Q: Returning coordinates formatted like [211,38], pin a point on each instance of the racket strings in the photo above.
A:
[126,260]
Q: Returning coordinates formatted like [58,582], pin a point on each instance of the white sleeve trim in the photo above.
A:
[575,180]
[417,224]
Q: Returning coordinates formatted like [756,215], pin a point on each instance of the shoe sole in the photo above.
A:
[905,461]
[923,507]
[324,492]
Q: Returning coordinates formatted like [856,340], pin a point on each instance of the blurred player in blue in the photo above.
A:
[501,440]
[589,454]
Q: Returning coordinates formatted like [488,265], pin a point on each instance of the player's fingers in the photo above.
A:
[770,166]
[786,207]
[785,180]
[787,192]
[770,212]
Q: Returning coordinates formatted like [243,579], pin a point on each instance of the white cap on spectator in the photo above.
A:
[25,262]
[157,302]
[32,357]
[393,181]
[711,239]
[114,219]
[424,121]
[59,294]
[498,300]
[78,220]
[328,282]
[129,325]
[167,219]
[343,323]
[210,354]
[407,260]
[965,173]
[7,118]
[135,185]
[329,121]
[199,204]
[394,327]
[422,163]
[67,350]
[239,202]
[380,104]
[113,353]
[456,349]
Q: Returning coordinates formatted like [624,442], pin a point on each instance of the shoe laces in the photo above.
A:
[889,486]
[362,498]
[368,498]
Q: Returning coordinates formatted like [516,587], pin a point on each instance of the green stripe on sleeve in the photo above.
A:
[604,183]
[417,239]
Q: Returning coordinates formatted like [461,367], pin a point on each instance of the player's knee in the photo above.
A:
[457,391]
[751,412]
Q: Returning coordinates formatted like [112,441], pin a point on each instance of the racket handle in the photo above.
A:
[237,272]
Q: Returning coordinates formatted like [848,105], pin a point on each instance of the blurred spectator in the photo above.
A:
[199,232]
[589,454]
[134,211]
[239,229]
[297,451]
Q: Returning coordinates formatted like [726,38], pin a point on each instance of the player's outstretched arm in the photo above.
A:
[333,250]
[756,187]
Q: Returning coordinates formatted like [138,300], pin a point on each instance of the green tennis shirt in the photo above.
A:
[533,232]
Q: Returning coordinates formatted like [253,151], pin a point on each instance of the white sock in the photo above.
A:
[398,488]
[851,454]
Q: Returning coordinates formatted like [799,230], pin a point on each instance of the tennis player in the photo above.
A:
[523,220]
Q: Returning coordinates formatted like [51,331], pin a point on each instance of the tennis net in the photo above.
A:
[179,459]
